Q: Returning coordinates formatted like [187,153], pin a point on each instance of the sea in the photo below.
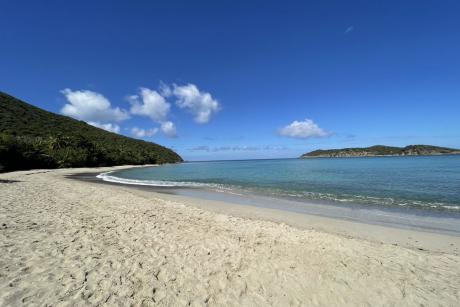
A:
[414,185]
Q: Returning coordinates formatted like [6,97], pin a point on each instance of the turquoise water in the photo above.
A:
[425,182]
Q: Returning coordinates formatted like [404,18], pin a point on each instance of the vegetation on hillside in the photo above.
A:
[34,138]
[380,150]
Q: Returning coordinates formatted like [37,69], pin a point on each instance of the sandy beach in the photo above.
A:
[66,242]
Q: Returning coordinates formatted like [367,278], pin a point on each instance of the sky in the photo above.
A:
[241,79]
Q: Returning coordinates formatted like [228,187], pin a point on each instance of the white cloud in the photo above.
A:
[169,129]
[200,104]
[97,110]
[91,107]
[303,129]
[140,133]
[109,127]
[237,148]
[200,148]
[240,148]
[349,29]
[165,90]
[153,105]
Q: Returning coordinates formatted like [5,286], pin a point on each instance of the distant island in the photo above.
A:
[381,150]
[34,138]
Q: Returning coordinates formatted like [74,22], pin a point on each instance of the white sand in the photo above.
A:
[66,242]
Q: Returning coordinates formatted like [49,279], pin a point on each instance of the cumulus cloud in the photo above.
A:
[152,105]
[303,129]
[201,104]
[140,133]
[109,127]
[97,110]
[91,107]
[169,129]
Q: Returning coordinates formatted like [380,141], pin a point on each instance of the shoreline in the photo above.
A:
[71,242]
[401,200]
[390,233]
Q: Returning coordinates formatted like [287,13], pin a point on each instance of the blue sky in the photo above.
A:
[242,79]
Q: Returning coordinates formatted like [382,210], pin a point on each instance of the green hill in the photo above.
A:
[34,138]
[380,150]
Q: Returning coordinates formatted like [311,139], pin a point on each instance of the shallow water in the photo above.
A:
[421,182]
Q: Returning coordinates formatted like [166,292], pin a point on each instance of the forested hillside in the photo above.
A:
[34,138]
[380,150]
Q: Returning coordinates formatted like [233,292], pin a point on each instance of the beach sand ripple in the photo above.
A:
[64,242]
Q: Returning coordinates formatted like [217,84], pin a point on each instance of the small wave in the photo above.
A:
[237,190]
[164,183]
[365,200]
[155,183]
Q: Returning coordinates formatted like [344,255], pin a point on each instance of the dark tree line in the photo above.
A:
[34,138]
